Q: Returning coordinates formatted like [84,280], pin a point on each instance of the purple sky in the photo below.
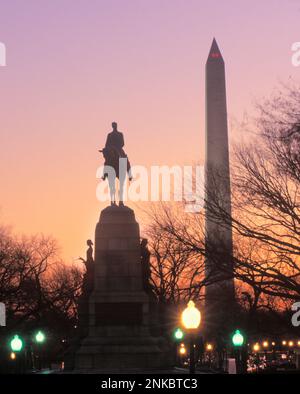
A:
[74,66]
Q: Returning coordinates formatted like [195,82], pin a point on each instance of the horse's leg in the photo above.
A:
[114,192]
[123,165]
[129,170]
[112,189]
[111,175]
[121,190]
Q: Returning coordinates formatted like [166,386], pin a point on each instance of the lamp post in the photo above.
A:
[12,356]
[273,350]
[256,349]
[209,349]
[178,335]
[238,342]
[40,338]
[237,339]
[265,346]
[16,345]
[182,350]
[191,318]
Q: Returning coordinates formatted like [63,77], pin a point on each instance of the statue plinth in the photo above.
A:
[119,322]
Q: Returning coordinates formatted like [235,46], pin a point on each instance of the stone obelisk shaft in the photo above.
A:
[217,193]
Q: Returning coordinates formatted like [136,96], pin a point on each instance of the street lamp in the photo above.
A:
[16,344]
[191,318]
[209,349]
[265,346]
[178,334]
[182,354]
[273,350]
[182,350]
[237,339]
[40,337]
[256,349]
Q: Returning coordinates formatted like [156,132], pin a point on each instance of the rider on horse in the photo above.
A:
[112,153]
[114,148]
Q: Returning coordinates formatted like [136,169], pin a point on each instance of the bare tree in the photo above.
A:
[178,250]
[33,280]
[265,215]
[177,273]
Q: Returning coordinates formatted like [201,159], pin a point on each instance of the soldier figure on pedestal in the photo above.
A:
[146,271]
[88,278]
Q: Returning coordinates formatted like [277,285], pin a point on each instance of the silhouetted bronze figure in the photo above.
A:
[146,270]
[88,278]
[113,166]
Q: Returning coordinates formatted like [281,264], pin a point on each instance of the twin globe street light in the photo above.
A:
[191,319]
[17,344]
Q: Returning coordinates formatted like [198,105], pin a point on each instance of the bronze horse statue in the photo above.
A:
[116,165]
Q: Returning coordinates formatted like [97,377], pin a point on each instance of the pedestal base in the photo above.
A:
[119,324]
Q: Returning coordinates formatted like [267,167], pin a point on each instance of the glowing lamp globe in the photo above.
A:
[16,344]
[178,334]
[237,338]
[182,350]
[191,317]
[40,337]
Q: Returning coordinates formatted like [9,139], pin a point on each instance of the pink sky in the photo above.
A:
[74,66]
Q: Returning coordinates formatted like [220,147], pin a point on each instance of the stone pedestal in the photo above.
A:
[119,335]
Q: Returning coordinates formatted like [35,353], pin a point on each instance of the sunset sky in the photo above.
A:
[75,66]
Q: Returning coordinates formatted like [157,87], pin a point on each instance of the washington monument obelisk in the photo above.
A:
[218,239]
